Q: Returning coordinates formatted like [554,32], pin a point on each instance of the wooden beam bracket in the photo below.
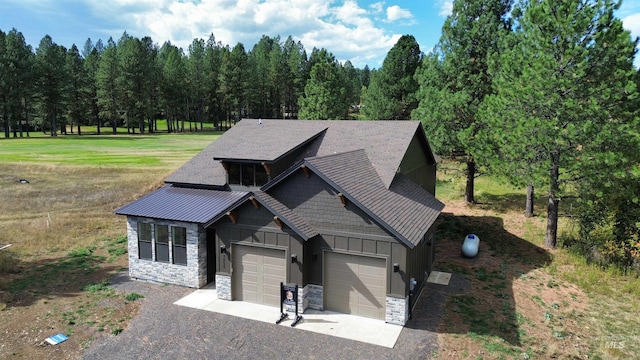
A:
[232,216]
[343,199]
[255,202]
[304,168]
[267,168]
[278,222]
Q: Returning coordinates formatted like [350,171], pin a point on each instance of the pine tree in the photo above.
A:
[196,78]
[454,79]
[108,92]
[53,83]
[564,100]
[17,81]
[235,80]
[324,95]
[392,90]
[77,88]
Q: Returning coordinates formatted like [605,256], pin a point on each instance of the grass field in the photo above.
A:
[66,241]
[524,301]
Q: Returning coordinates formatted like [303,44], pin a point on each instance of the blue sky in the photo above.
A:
[355,30]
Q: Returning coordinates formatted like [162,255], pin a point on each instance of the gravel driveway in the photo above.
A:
[162,330]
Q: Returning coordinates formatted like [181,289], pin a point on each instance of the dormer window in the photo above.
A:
[247,174]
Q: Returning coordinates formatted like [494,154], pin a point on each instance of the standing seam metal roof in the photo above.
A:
[182,204]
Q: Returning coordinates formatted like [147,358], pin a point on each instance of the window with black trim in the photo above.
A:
[144,241]
[234,173]
[247,174]
[179,240]
[162,243]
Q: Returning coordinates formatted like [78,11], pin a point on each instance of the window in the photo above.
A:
[261,175]
[247,174]
[234,173]
[144,241]
[162,243]
[179,239]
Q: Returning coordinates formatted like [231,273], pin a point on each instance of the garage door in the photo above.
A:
[355,284]
[257,273]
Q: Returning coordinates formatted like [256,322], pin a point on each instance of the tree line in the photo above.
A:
[134,82]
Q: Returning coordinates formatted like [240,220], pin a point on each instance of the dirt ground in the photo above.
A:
[517,310]
[60,305]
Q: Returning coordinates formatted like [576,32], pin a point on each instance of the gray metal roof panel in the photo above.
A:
[182,204]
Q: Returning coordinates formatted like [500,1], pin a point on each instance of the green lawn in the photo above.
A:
[107,150]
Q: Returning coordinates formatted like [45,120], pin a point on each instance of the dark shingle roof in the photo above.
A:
[291,219]
[406,210]
[385,143]
[246,140]
[183,204]
[266,141]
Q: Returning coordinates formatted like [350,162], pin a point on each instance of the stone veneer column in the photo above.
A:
[397,311]
[314,297]
[223,286]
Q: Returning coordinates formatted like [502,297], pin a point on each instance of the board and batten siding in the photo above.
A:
[342,228]
[255,227]
[418,167]
[420,259]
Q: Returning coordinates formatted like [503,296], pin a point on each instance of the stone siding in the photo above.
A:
[397,311]
[223,286]
[193,275]
[315,297]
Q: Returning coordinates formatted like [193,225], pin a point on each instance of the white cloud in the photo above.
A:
[344,28]
[632,23]
[395,12]
[377,7]
[445,7]
[351,13]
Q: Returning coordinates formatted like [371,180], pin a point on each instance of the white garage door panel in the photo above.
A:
[257,273]
[355,284]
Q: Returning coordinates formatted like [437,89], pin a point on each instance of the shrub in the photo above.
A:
[133,296]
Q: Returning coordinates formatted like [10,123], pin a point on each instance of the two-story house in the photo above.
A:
[344,209]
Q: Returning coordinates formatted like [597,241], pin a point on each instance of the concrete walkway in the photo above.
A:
[345,326]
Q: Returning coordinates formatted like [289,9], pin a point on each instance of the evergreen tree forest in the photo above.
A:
[131,83]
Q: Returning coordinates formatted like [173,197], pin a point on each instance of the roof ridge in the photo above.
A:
[337,154]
